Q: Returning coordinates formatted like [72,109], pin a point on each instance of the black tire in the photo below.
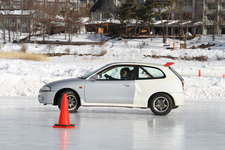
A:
[73,101]
[161,104]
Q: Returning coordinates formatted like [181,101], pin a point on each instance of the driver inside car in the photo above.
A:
[125,74]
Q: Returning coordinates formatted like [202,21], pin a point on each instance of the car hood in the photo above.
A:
[64,81]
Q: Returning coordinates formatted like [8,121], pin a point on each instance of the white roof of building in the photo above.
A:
[16,12]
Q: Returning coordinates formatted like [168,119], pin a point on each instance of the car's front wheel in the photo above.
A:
[161,104]
[73,101]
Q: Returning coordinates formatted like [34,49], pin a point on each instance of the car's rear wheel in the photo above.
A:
[161,104]
[73,101]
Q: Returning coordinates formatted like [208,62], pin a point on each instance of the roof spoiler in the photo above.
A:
[168,64]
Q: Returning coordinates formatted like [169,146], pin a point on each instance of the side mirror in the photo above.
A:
[94,78]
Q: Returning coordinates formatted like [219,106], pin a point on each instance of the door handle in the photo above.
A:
[126,85]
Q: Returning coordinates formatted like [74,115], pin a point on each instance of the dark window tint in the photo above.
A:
[145,72]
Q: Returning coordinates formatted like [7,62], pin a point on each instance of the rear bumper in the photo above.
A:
[178,98]
[46,97]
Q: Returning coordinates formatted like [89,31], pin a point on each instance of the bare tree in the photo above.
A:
[216,20]
[6,14]
[71,20]
[170,7]
[2,17]
[21,16]
[159,11]
[43,18]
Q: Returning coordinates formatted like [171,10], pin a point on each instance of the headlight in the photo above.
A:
[45,88]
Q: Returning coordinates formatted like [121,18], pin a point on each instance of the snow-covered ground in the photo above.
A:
[25,78]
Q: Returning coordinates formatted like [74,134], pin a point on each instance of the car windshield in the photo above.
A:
[91,73]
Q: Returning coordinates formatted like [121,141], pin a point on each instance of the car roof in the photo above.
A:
[136,63]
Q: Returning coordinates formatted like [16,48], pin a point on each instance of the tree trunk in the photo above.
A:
[69,33]
[9,33]
[43,32]
[4,29]
[213,35]
[16,28]
[163,29]
[136,26]
[163,32]
[13,38]
[149,30]
[30,22]
[167,28]
[21,17]
[167,32]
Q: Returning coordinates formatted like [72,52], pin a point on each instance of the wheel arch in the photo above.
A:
[61,91]
[160,93]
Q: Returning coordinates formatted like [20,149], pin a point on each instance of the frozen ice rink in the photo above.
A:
[26,124]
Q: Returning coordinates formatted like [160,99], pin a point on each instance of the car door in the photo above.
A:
[149,80]
[110,87]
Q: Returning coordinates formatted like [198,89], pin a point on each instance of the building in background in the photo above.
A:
[196,16]
[209,13]
[103,10]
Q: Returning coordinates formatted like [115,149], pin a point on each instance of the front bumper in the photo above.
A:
[46,97]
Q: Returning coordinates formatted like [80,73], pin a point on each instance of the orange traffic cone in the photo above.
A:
[64,119]
[173,45]
[199,73]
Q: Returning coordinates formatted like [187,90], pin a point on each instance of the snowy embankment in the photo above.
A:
[25,78]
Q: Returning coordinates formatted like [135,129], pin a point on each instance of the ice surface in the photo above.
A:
[26,124]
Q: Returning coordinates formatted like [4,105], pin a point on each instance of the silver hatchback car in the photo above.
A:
[158,87]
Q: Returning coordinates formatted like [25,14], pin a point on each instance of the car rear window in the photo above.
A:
[176,73]
[145,72]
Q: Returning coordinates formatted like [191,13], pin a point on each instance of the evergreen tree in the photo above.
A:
[147,13]
[129,10]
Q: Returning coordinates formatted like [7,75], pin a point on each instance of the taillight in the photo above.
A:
[182,85]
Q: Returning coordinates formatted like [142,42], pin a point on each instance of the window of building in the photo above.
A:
[211,6]
[187,16]
[16,4]
[209,30]
[210,17]
[188,2]
[223,5]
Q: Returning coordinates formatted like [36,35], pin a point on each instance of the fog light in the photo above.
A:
[40,98]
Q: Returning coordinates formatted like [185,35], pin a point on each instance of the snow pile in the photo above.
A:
[130,48]
[205,88]
[25,78]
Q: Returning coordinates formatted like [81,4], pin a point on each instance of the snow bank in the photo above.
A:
[25,78]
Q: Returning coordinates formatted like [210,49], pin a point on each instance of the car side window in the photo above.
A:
[145,72]
[117,73]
